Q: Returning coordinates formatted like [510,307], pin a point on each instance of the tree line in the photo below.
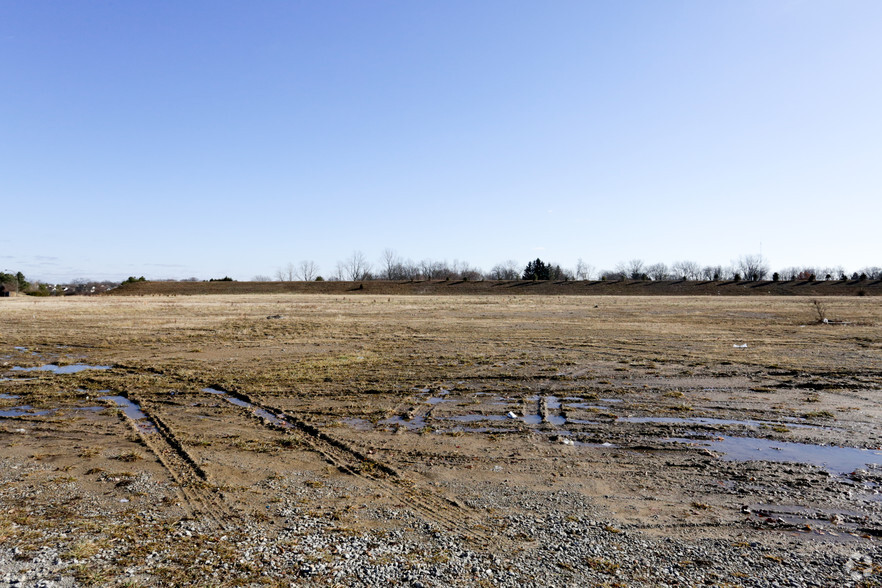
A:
[390,266]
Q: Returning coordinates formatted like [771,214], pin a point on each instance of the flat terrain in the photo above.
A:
[434,441]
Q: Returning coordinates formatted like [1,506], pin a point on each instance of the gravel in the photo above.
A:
[553,538]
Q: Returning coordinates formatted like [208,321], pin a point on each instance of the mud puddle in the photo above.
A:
[712,421]
[61,369]
[417,422]
[474,418]
[134,412]
[265,415]
[836,460]
[28,410]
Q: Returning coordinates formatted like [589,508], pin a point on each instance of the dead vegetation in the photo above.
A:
[401,401]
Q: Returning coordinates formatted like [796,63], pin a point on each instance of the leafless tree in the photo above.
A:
[752,267]
[583,270]
[463,271]
[356,267]
[259,279]
[616,274]
[434,270]
[658,271]
[287,273]
[507,270]
[634,269]
[688,270]
[407,270]
[820,310]
[795,273]
[307,270]
[389,263]
[555,272]
[712,273]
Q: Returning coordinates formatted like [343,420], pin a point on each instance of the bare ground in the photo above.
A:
[368,440]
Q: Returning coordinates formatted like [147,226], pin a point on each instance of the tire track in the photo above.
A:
[447,513]
[191,479]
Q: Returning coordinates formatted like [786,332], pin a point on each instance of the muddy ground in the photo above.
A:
[415,440]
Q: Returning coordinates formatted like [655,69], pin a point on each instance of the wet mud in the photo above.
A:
[645,409]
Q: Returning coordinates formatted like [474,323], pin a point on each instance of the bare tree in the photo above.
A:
[507,270]
[688,270]
[406,270]
[820,310]
[633,269]
[354,268]
[658,271]
[712,273]
[555,272]
[389,262]
[287,273]
[434,270]
[796,273]
[752,267]
[307,270]
[464,271]
[583,270]
[616,274]
[259,279]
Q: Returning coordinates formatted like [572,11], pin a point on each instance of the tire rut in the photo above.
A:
[191,479]
[449,514]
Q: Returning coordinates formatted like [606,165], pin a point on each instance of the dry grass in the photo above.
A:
[334,357]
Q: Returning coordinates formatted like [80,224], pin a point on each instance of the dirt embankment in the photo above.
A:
[515,287]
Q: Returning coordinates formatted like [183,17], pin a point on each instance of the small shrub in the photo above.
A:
[129,456]
[604,566]
[820,310]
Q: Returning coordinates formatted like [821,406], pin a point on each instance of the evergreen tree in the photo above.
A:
[537,270]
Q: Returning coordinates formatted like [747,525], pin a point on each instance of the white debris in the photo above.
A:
[742,346]
[511,415]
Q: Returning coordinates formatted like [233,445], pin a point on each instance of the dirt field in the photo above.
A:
[815,288]
[434,441]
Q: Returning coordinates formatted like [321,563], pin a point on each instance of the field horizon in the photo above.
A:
[511,288]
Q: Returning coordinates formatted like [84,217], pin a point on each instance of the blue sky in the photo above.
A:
[210,138]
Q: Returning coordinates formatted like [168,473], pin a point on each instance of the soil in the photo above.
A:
[437,440]
[454,287]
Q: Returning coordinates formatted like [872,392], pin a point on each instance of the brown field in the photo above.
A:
[514,288]
[373,429]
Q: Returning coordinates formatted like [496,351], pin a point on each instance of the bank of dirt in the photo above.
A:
[513,288]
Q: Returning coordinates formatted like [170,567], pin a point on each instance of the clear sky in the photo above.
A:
[207,138]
